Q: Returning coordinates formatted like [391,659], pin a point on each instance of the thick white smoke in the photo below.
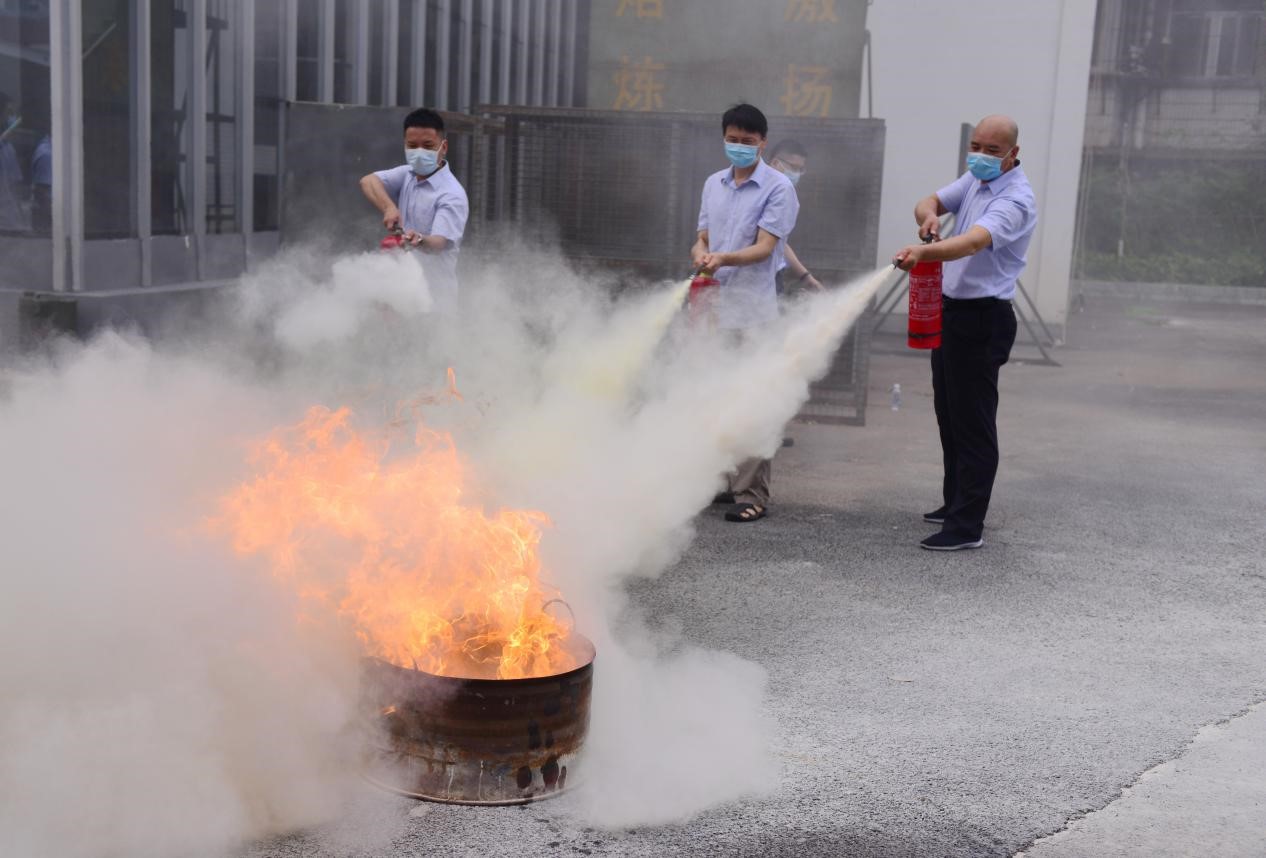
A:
[149,668]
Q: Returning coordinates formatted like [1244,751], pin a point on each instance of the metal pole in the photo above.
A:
[73,159]
[870,79]
[325,52]
[554,86]
[538,64]
[507,51]
[142,133]
[246,129]
[487,19]
[443,36]
[525,26]
[569,65]
[198,129]
[391,52]
[418,57]
[465,50]
[359,50]
[290,50]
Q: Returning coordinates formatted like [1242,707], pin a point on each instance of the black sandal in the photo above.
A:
[723,497]
[742,512]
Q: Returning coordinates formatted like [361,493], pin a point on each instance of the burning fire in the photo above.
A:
[387,540]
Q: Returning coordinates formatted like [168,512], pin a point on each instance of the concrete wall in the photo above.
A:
[937,65]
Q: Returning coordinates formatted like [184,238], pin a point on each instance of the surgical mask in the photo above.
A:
[741,155]
[786,169]
[423,161]
[984,167]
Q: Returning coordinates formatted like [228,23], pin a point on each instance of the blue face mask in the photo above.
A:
[984,167]
[423,161]
[740,155]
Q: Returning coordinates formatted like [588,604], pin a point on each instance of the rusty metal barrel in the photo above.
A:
[476,741]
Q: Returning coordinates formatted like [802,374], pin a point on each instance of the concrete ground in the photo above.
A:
[970,704]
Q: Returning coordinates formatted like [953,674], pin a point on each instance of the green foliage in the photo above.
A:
[1193,222]
[1241,269]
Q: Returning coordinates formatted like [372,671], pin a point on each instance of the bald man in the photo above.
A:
[995,216]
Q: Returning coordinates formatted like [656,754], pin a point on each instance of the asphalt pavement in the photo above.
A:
[1108,637]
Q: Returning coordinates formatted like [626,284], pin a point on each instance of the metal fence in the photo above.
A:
[621,190]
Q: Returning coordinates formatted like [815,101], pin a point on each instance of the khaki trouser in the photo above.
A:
[750,482]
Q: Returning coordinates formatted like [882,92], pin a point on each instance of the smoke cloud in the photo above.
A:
[163,684]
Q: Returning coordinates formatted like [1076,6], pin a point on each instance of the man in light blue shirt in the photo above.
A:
[423,198]
[746,214]
[995,218]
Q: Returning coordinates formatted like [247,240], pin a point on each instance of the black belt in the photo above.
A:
[967,303]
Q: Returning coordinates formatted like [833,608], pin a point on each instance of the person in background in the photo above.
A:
[12,185]
[745,215]
[42,180]
[996,215]
[423,198]
[791,159]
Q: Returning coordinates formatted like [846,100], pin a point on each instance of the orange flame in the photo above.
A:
[389,542]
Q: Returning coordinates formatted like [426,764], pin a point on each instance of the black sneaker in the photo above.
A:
[949,542]
[936,516]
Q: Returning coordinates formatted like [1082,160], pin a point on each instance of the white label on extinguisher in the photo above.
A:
[925,297]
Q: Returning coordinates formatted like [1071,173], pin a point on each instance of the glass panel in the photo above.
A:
[308,48]
[26,164]
[222,83]
[109,201]
[1186,56]
[269,23]
[169,150]
[1246,52]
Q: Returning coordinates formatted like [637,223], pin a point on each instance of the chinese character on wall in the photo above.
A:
[641,8]
[640,85]
[810,11]
[806,91]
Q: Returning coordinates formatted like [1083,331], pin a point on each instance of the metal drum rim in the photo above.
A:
[588,653]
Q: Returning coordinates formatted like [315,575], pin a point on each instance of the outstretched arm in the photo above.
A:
[376,192]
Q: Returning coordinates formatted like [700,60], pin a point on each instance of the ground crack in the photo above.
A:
[1128,788]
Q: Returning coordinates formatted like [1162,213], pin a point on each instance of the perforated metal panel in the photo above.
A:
[622,189]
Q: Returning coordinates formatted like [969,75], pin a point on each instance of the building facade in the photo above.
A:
[1174,166]
[142,143]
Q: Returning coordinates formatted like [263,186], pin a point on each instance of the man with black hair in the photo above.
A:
[791,159]
[423,198]
[746,214]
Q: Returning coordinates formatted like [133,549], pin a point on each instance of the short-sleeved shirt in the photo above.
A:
[1004,206]
[42,162]
[732,215]
[435,205]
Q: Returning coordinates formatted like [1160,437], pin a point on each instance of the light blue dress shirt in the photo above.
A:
[436,205]
[1005,207]
[732,215]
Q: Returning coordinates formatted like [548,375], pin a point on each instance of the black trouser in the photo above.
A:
[976,339]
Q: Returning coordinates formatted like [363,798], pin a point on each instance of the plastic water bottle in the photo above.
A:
[896,397]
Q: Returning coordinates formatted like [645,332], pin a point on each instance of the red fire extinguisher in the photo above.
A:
[701,300]
[394,240]
[925,305]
